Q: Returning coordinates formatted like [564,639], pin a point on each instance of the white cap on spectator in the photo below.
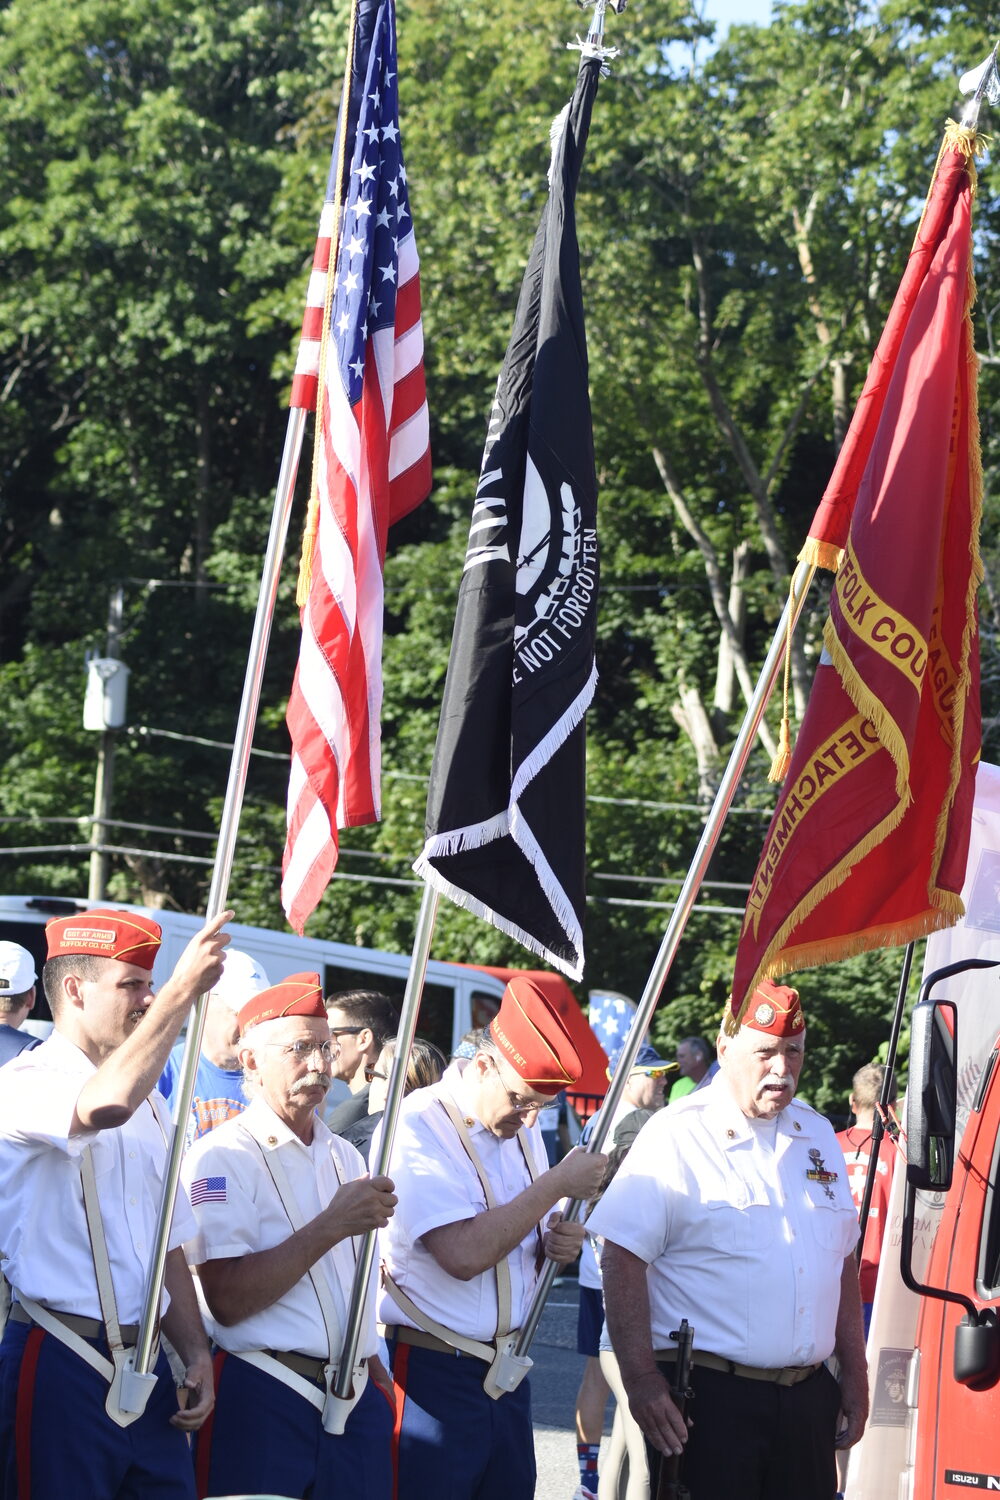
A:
[17,969]
[242,978]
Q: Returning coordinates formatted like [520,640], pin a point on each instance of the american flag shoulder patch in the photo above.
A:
[208,1190]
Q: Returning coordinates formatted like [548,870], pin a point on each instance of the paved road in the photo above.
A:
[554,1381]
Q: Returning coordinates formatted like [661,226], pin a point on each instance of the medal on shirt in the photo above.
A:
[818,1172]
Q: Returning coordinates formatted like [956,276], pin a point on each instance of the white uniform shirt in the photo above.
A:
[437,1184]
[738,1238]
[239,1212]
[43,1228]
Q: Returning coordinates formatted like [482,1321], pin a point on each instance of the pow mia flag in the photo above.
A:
[505,806]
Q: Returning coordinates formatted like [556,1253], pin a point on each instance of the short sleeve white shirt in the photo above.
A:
[436,1184]
[43,1228]
[744,1230]
[239,1212]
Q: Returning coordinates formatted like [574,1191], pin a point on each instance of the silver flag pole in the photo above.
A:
[982,83]
[228,829]
[800,585]
[397,1084]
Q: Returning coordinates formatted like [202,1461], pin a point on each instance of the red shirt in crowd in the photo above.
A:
[856,1146]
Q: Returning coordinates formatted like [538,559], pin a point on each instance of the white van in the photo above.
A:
[456,997]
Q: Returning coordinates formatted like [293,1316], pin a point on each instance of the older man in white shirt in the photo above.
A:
[279,1201]
[732,1210]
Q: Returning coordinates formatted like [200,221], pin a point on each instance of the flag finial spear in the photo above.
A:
[982,82]
[593,45]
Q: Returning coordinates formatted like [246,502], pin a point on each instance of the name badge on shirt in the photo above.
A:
[818,1173]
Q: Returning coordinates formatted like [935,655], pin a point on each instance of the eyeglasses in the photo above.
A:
[346,1030]
[518,1105]
[372,1073]
[301,1050]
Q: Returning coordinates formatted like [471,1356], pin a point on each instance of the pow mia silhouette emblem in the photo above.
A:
[554,557]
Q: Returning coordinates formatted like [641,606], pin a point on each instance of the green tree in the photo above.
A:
[744,215]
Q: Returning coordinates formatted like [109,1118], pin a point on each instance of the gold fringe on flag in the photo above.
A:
[821,554]
[966,139]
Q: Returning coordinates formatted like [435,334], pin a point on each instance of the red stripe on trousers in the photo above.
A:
[25,1403]
[205,1435]
[400,1362]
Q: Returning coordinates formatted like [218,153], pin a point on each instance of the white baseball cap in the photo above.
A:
[242,978]
[17,969]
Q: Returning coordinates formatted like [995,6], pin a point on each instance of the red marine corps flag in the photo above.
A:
[867,846]
[362,350]
[505,805]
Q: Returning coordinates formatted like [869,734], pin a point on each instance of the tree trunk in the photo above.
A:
[717,588]
[725,673]
[690,715]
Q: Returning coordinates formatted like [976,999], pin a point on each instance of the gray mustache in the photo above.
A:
[312,1081]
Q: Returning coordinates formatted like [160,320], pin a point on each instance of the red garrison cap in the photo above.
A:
[776,1009]
[298,995]
[533,1039]
[105,933]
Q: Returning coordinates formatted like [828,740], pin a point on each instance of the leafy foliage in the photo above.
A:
[744,211]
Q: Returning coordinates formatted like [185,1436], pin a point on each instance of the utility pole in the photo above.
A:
[104,711]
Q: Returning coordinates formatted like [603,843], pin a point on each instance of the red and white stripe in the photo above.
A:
[305,381]
[373,467]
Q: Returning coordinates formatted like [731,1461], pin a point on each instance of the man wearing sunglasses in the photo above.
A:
[280,1202]
[463,1252]
[361,1021]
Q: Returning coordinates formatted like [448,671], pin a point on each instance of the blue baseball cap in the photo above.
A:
[648,1060]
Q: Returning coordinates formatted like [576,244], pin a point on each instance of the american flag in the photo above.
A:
[208,1190]
[610,1016]
[372,466]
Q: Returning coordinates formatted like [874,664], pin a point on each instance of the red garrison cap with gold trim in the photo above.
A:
[105,933]
[776,1009]
[298,995]
[533,1039]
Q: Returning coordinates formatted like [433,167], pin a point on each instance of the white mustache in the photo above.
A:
[312,1081]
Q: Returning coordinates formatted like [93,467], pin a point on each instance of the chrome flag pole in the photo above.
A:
[226,848]
[801,581]
[387,1130]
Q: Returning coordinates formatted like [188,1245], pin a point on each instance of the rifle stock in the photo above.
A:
[669,1486]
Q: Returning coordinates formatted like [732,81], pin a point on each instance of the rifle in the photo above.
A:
[669,1485]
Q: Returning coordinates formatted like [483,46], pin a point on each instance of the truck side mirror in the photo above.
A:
[931,1095]
[977,1350]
